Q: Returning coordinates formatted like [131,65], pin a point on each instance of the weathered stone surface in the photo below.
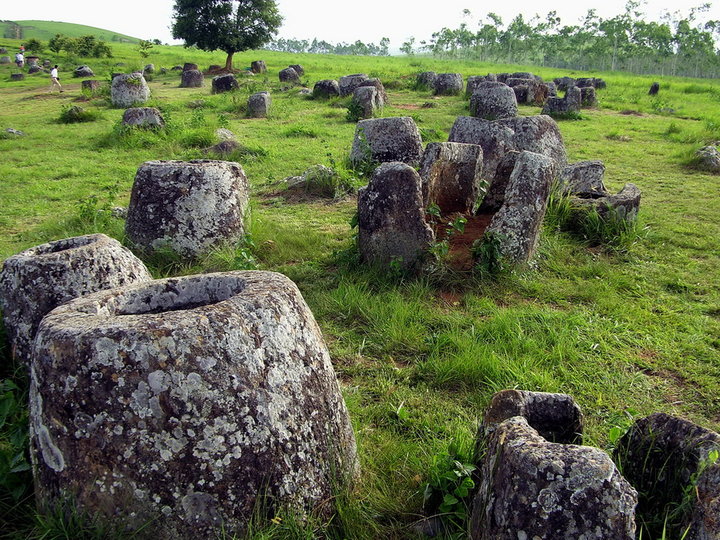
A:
[494,138]
[179,404]
[563,83]
[298,69]
[556,417]
[37,280]
[74,114]
[349,83]
[588,97]
[495,193]
[382,98]
[367,98]
[259,105]
[708,158]
[258,66]
[534,489]
[163,71]
[538,134]
[224,83]
[451,176]
[34,69]
[624,205]
[214,68]
[568,104]
[326,88]
[387,139]
[426,80]
[187,206]
[14,132]
[654,89]
[224,148]
[448,84]
[391,217]
[3,50]
[225,134]
[659,456]
[585,82]
[524,89]
[17,76]
[188,66]
[149,68]
[474,80]
[289,75]
[192,78]
[517,224]
[5,60]
[91,86]
[542,92]
[128,90]
[83,71]
[522,75]
[146,117]
[493,100]
[583,179]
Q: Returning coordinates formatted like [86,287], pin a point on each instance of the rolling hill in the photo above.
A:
[44,30]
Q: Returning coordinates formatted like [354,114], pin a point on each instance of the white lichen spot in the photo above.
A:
[51,454]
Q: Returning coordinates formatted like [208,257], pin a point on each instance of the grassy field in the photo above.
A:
[626,331]
[44,30]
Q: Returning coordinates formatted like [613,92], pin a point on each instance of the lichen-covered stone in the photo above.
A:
[708,158]
[387,139]
[83,71]
[147,117]
[563,83]
[17,76]
[367,99]
[192,78]
[34,69]
[539,134]
[224,83]
[326,88]
[376,83]
[349,83]
[493,100]
[425,80]
[569,104]
[182,403]
[298,69]
[186,206]
[533,489]
[188,66]
[91,86]
[588,97]
[662,456]
[495,192]
[37,280]
[451,176]
[259,104]
[517,224]
[5,60]
[391,218]
[289,75]
[128,90]
[556,417]
[149,68]
[474,80]
[258,66]
[448,84]
[624,205]
[583,179]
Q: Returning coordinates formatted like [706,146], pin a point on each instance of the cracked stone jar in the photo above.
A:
[181,404]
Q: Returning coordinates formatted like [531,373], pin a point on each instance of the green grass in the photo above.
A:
[44,30]
[624,331]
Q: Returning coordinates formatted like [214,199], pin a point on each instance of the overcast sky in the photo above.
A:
[334,21]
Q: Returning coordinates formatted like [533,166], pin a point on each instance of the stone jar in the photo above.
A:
[181,404]
[128,90]
[187,207]
[38,279]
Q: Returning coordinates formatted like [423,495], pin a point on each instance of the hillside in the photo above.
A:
[44,30]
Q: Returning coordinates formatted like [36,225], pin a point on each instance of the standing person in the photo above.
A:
[20,60]
[55,79]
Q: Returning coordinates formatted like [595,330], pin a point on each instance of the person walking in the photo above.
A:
[20,60]
[55,79]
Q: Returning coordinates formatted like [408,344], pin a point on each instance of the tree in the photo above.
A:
[144,48]
[33,45]
[57,43]
[229,25]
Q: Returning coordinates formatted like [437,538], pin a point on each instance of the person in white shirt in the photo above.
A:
[55,79]
[20,60]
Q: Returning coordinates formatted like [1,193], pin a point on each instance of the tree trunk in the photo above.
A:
[228,61]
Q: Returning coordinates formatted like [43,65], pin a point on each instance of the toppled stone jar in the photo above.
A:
[187,206]
[38,279]
[180,404]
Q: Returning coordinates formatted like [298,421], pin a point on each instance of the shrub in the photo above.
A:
[74,114]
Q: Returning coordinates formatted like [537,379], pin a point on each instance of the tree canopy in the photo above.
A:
[228,25]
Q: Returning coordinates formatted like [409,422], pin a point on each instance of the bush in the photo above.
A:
[33,45]
[74,114]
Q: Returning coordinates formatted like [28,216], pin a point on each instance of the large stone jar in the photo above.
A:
[38,279]
[188,207]
[128,90]
[181,403]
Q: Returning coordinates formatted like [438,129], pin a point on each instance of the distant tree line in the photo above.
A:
[676,45]
[82,46]
[323,47]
